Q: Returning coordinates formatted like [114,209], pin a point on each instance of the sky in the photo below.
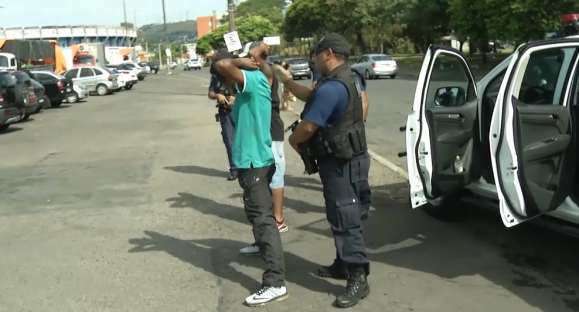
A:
[24,13]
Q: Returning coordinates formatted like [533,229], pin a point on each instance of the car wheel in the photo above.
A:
[129,87]
[393,76]
[4,127]
[72,97]
[102,90]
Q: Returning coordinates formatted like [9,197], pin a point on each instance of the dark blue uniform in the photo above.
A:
[346,189]
[226,121]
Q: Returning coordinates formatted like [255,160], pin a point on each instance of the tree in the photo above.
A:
[251,28]
[426,21]
[270,9]
[306,18]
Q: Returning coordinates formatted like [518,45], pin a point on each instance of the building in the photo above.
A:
[206,24]
[120,36]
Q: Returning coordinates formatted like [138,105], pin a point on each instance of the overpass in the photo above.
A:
[114,36]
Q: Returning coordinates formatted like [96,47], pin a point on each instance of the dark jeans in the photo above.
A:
[347,196]
[258,208]
[227,133]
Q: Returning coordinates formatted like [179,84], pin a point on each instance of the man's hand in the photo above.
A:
[260,52]
[282,74]
[221,99]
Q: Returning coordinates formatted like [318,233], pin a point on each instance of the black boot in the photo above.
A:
[356,290]
[337,270]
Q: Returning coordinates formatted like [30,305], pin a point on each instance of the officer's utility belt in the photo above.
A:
[342,145]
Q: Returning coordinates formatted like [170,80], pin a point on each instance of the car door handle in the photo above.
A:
[454,116]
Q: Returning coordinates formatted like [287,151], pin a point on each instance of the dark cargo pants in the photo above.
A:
[347,196]
[258,208]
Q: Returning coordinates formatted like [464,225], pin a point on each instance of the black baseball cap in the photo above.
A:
[335,42]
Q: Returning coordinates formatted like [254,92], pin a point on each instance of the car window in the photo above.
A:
[97,71]
[71,74]
[44,77]
[297,61]
[3,61]
[450,85]
[491,93]
[381,58]
[545,76]
[86,72]
[13,62]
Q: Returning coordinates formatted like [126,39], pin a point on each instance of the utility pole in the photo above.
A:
[164,16]
[125,16]
[231,11]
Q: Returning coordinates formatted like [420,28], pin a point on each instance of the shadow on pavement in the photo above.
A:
[533,263]
[525,259]
[222,253]
[308,183]
[192,169]
[208,207]
[10,130]
[229,212]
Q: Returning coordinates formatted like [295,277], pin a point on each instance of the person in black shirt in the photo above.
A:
[224,96]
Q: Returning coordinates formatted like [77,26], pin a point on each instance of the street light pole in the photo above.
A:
[164,16]
[231,11]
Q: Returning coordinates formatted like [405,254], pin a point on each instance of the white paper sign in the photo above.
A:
[232,41]
[271,41]
[168,52]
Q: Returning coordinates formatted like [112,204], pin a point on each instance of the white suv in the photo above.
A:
[194,63]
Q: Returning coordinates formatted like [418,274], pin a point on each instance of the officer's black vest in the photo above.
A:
[346,137]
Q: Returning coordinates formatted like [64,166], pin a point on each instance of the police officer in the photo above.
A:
[333,128]
[224,96]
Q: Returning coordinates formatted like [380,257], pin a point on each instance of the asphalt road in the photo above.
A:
[121,204]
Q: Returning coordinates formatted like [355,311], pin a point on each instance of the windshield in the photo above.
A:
[381,58]
[297,61]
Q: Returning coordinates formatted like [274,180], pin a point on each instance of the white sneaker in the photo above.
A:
[249,250]
[266,295]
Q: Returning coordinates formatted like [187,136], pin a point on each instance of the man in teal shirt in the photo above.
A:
[253,156]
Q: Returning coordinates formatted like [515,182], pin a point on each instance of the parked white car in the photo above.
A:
[94,79]
[194,64]
[512,137]
[127,78]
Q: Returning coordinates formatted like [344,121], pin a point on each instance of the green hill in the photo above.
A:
[178,31]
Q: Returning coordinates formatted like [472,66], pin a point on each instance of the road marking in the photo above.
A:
[388,164]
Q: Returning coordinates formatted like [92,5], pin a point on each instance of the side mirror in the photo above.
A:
[450,97]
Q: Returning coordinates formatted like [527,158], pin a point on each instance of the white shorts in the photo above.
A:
[278,181]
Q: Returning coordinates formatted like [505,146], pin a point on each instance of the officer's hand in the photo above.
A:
[221,99]
[281,73]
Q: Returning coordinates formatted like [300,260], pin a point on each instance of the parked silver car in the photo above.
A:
[93,79]
[299,68]
[376,65]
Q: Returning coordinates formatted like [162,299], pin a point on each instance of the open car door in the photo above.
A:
[531,134]
[440,130]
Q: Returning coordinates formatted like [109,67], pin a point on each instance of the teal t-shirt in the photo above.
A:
[252,117]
